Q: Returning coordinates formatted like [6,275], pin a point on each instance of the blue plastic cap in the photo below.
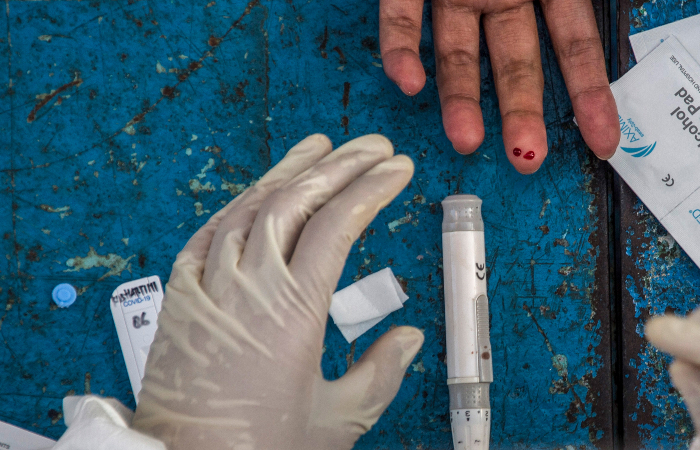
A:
[64,295]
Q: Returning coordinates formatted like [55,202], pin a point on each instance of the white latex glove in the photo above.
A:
[236,360]
[680,337]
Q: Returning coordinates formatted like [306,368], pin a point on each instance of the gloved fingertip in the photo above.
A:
[320,139]
[410,339]
[313,144]
[375,143]
[399,163]
[664,332]
[653,328]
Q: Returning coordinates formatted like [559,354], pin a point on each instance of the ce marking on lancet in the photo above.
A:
[480,268]
[668,180]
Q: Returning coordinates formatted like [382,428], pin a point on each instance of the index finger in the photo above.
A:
[229,228]
[399,38]
[572,27]
[324,245]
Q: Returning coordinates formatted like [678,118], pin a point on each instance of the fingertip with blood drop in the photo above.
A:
[528,156]
[526,161]
[525,141]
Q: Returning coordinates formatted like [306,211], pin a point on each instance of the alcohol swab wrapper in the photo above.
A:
[659,151]
[12,437]
[360,306]
[687,31]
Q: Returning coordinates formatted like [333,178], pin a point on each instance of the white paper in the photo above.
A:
[96,423]
[135,307]
[363,304]
[687,31]
[15,438]
[659,152]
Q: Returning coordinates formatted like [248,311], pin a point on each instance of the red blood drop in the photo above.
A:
[517,151]
[529,155]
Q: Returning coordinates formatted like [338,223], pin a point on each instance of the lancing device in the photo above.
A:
[469,367]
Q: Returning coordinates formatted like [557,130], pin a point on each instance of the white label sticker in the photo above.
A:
[135,307]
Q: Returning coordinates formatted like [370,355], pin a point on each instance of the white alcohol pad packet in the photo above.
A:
[659,151]
[687,31]
[360,306]
[15,438]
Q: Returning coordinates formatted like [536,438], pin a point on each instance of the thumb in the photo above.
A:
[372,383]
[686,378]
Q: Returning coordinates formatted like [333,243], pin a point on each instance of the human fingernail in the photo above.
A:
[529,155]
[517,151]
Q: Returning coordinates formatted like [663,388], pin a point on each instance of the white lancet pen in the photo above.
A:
[469,364]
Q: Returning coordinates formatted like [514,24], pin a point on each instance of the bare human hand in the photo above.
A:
[511,34]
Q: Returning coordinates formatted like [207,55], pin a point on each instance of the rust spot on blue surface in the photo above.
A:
[44,99]
[346,94]
[191,68]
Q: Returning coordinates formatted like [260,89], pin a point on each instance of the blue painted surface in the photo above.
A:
[159,123]
[663,280]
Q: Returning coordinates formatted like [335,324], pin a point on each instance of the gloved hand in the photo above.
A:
[236,359]
[680,337]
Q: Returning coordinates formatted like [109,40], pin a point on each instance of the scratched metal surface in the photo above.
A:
[657,277]
[123,127]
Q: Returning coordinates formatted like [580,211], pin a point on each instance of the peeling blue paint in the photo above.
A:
[668,281]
